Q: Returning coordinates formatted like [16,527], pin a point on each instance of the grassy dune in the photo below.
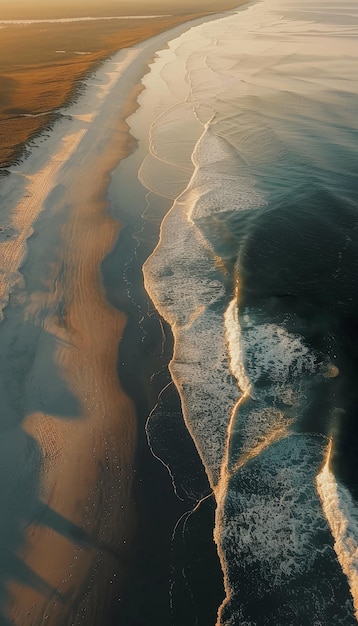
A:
[41,70]
[37,80]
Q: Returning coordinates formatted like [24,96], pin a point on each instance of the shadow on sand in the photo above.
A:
[30,383]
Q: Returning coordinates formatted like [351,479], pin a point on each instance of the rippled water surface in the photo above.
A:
[254,140]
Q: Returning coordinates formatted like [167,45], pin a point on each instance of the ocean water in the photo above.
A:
[254,143]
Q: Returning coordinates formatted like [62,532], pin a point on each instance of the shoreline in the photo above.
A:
[59,292]
[147,334]
[26,125]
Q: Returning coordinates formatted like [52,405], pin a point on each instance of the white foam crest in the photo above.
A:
[200,370]
[271,367]
[218,186]
[272,352]
[280,368]
[223,193]
[342,515]
[210,150]
[180,271]
[180,276]
[274,368]
[234,342]
[262,427]
[271,513]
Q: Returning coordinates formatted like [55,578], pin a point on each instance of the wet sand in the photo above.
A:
[84,519]
[69,430]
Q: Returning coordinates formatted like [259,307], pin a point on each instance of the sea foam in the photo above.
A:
[268,102]
[186,285]
[342,515]
[278,557]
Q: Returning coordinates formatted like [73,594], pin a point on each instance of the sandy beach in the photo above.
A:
[69,429]
[74,411]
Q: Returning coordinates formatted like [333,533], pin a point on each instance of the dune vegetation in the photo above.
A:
[42,65]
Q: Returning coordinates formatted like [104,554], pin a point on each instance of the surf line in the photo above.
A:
[342,516]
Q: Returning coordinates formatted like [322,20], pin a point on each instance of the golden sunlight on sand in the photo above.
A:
[87,459]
